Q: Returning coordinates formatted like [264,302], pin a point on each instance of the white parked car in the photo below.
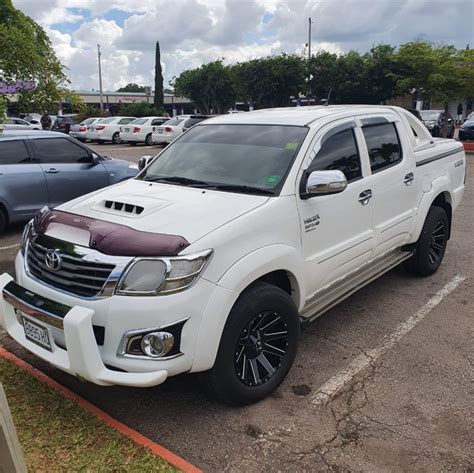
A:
[140,130]
[79,131]
[170,130]
[245,227]
[19,124]
[108,129]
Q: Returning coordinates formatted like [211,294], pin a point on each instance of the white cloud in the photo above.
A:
[193,32]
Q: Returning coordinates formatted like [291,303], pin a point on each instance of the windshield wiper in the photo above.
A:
[242,188]
[178,180]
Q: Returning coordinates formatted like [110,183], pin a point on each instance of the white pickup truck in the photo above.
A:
[242,229]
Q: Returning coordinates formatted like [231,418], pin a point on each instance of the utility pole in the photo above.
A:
[100,79]
[309,58]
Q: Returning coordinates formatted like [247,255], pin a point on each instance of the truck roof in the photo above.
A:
[297,116]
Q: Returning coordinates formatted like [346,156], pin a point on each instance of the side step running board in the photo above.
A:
[328,297]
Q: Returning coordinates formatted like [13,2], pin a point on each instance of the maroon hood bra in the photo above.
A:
[112,238]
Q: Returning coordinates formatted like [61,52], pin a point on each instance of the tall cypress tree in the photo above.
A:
[158,79]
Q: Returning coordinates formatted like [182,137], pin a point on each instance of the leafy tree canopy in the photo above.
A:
[132,88]
[30,57]
[141,109]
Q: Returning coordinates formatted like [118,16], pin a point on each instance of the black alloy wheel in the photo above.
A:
[261,347]
[431,246]
[257,347]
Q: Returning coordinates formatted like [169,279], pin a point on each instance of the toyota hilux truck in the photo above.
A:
[243,229]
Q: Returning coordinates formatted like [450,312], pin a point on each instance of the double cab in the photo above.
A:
[245,227]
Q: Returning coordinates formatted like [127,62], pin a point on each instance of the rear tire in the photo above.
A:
[149,140]
[257,347]
[430,247]
[116,140]
[3,221]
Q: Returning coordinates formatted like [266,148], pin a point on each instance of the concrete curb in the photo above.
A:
[133,435]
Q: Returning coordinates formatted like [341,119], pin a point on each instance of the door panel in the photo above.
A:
[336,229]
[22,183]
[393,187]
[68,169]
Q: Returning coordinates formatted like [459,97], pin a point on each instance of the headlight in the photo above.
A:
[25,236]
[157,276]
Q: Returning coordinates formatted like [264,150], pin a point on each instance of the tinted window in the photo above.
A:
[237,155]
[383,146]
[340,152]
[107,120]
[193,121]
[124,121]
[174,121]
[159,121]
[13,152]
[60,150]
[138,121]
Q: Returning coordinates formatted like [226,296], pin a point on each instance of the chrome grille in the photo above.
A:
[76,275]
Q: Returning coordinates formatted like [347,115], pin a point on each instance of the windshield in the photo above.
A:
[193,121]
[243,158]
[429,115]
[107,120]
[88,121]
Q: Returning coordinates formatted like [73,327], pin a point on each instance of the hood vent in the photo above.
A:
[123,207]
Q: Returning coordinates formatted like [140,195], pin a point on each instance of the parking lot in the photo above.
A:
[382,382]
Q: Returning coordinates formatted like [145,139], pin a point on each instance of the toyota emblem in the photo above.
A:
[53,260]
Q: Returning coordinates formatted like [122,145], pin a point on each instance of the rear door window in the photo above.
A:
[14,152]
[383,145]
[339,151]
[60,150]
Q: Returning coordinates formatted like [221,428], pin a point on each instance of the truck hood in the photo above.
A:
[164,208]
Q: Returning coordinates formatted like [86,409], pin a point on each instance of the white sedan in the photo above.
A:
[170,130]
[19,124]
[141,129]
[108,129]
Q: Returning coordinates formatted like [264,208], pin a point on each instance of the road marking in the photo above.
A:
[10,247]
[334,384]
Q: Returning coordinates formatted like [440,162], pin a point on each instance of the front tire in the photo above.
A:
[431,246]
[257,347]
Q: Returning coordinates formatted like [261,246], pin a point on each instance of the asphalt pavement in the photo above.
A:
[396,359]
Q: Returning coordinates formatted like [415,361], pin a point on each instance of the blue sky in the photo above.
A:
[193,32]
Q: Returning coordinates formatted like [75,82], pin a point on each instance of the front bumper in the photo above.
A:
[82,357]
[72,323]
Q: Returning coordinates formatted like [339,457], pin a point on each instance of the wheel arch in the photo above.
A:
[277,264]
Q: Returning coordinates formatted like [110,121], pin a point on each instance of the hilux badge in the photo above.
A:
[53,260]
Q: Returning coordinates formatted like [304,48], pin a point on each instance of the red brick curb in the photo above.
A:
[469,146]
[135,436]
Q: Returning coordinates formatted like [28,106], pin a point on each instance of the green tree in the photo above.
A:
[141,109]
[210,87]
[159,101]
[436,72]
[270,81]
[132,88]
[380,65]
[324,71]
[30,57]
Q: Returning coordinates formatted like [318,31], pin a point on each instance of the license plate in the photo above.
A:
[127,129]
[37,334]
[160,131]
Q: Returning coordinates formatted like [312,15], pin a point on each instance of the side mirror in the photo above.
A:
[325,182]
[95,159]
[144,161]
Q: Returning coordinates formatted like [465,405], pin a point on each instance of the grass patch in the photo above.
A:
[58,435]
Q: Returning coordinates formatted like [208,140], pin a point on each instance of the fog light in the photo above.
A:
[157,344]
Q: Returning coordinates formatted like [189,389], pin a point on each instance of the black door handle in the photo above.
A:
[408,178]
[52,171]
